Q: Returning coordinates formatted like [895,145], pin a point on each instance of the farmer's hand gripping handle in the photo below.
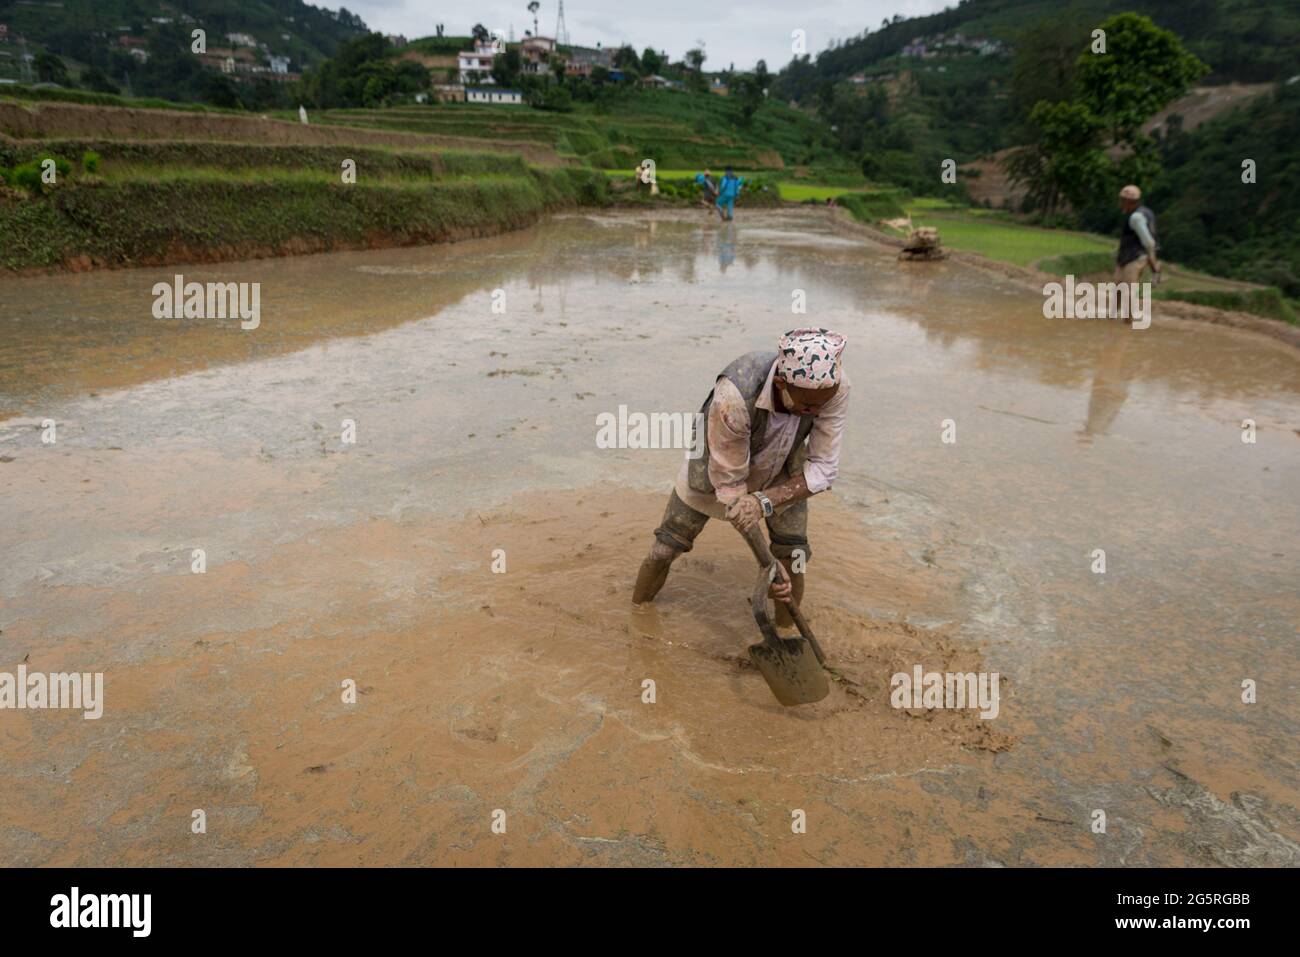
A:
[758,545]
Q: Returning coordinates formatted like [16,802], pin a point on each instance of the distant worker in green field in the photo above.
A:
[728,190]
[710,188]
[644,175]
[1137,243]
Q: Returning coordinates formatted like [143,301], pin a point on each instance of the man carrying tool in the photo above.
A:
[1137,242]
[773,426]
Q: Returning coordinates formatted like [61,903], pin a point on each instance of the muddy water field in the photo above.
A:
[200,532]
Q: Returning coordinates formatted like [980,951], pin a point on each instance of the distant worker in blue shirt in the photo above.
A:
[728,190]
[710,188]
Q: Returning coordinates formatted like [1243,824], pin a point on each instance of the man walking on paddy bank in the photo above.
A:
[1137,241]
[773,427]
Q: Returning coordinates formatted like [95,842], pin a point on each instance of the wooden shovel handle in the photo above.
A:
[758,545]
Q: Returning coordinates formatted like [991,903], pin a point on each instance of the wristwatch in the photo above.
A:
[765,502]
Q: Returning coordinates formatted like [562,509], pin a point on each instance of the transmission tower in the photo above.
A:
[561,28]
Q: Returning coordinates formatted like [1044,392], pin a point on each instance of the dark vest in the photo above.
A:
[749,374]
[1130,247]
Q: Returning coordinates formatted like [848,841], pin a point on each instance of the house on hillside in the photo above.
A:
[4,33]
[536,53]
[956,43]
[136,46]
[583,59]
[278,64]
[662,83]
[480,94]
[241,39]
[475,65]
[230,61]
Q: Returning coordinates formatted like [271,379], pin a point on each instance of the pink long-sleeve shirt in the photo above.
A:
[730,469]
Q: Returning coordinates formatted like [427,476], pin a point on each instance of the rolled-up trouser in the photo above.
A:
[788,528]
[727,207]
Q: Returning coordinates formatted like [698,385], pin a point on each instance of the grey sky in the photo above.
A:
[734,31]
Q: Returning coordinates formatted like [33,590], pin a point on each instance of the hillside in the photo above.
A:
[1217,222]
[134,45]
[1246,41]
[960,83]
[625,126]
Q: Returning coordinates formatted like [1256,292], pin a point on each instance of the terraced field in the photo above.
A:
[670,128]
[141,187]
[261,185]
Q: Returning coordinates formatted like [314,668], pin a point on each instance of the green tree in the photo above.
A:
[219,90]
[625,59]
[1045,62]
[95,79]
[750,96]
[50,69]
[695,65]
[651,61]
[1065,162]
[554,97]
[1143,70]
[826,99]
[507,66]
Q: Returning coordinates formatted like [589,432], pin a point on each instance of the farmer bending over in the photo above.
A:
[774,423]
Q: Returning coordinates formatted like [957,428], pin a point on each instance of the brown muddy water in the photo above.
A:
[520,694]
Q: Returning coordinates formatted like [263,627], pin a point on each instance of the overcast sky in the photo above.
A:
[734,31]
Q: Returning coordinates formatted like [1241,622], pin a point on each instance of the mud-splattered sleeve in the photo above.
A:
[823,462]
[728,442]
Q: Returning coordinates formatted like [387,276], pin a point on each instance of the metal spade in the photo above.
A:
[792,667]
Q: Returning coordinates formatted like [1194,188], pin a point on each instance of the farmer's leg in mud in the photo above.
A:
[675,535]
[789,532]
